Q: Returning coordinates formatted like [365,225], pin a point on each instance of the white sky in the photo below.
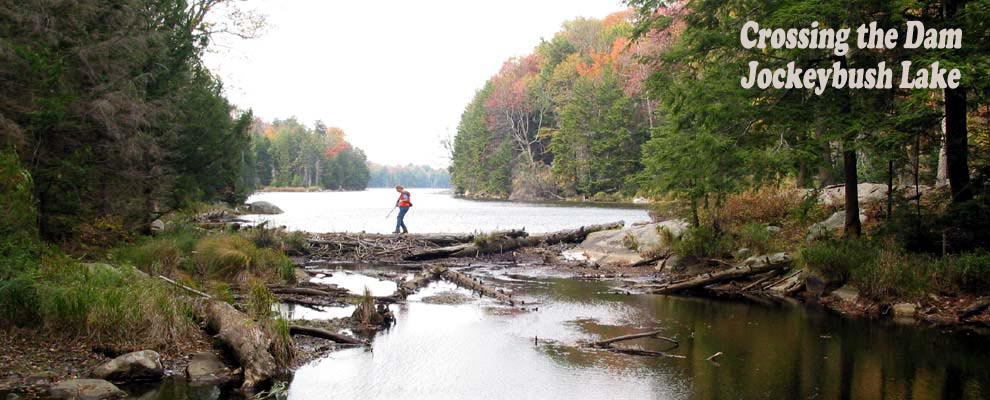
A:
[394,75]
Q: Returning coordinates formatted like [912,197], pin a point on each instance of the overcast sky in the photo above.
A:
[395,75]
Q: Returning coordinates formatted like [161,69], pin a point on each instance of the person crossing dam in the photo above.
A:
[403,203]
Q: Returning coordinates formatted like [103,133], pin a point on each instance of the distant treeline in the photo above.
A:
[419,176]
[287,153]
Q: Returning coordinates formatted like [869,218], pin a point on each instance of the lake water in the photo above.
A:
[433,211]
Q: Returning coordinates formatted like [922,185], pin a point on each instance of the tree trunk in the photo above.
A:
[467,282]
[826,176]
[244,336]
[942,175]
[956,145]
[759,267]
[853,227]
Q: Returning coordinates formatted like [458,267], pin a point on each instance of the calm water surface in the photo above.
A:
[433,211]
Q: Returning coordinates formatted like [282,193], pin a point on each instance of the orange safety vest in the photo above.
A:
[405,199]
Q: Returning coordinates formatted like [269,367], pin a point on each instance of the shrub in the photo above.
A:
[755,237]
[966,272]
[702,241]
[893,273]
[837,259]
[260,300]
[768,206]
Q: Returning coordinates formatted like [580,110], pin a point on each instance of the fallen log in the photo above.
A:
[467,282]
[641,352]
[753,266]
[247,341]
[579,234]
[649,261]
[324,334]
[500,243]
[601,344]
[758,281]
[974,309]
[300,291]
[422,279]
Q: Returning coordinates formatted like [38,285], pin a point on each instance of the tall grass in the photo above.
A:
[98,301]
[234,257]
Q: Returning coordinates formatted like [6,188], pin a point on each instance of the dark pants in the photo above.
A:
[398,220]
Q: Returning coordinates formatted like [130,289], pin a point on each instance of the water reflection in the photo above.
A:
[355,283]
[770,350]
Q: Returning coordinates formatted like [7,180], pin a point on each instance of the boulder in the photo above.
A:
[832,225]
[206,367]
[846,293]
[817,284]
[263,207]
[86,389]
[835,196]
[904,310]
[142,365]
[625,245]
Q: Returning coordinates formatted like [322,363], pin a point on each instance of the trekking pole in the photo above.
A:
[390,212]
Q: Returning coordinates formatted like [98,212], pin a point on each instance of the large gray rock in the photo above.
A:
[867,193]
[846,293]
[86,389]
[625,245]
[142,365]
[263,207]
[206,367]
[831,226]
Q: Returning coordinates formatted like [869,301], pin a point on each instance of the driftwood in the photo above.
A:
[650,260]
[577,235]
[759,266]
[324,334]
[641,352]
[186,288]
[432,273]
[601,344]
[300,291]
[974,309]
[422,279]
[606,344]
[757,282]
[497,243]
[467,282]
[248,342]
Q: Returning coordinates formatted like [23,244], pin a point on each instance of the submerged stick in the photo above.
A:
[324,334]
[652,334]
